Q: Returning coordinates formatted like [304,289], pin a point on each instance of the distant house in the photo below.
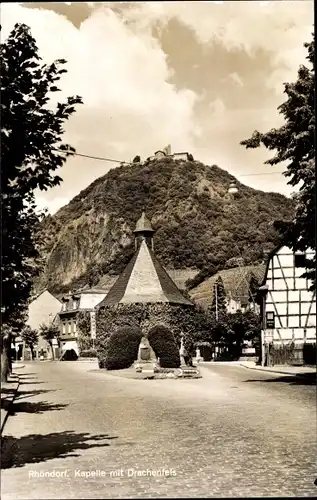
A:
[167,153]
[236,282]
[288,307]
[43,309]
[160,154]
[72,304]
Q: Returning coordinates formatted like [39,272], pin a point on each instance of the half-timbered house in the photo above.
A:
[288,306]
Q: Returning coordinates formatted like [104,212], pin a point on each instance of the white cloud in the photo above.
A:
[51,205]
[121,71]
[236,79]
[277,27]
[218,109]
[123,77]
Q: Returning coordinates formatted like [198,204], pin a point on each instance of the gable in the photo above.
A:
[282,264]
[43,309]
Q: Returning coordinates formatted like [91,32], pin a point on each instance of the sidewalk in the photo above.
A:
[8,392]
[297,371]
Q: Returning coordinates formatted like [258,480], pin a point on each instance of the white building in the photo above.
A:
[72,304]
[43,309]
[167,153]
[288,307]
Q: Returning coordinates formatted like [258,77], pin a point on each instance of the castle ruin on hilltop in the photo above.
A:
[163,153]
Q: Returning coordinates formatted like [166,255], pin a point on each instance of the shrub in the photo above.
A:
[69,355]
[163,344]
[122,348]
[88,353]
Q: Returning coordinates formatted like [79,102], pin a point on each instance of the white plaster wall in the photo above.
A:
[43,310]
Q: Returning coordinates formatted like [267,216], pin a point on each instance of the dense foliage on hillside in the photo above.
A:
[198,224]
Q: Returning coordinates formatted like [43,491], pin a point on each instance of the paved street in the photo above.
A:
[236,432]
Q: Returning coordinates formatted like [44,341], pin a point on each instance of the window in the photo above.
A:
[270,319]
[74,327]
[300,260]
[64,328]
[64,306]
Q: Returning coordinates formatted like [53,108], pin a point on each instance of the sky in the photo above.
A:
[201,76]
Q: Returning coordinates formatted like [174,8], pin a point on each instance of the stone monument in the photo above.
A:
[146,361]
[186,371]
[182,353]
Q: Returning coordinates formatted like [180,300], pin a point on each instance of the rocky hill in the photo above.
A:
[199,226]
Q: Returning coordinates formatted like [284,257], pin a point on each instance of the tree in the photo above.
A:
[30,338]
[220,330]
[31,151]
[294,143]
[219,302]
[50,333]
[195,326]
[137,159]
[84,339]
[254,285]
[5,345]
[243,326]
[7,334]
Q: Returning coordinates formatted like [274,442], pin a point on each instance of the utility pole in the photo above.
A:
[216,296]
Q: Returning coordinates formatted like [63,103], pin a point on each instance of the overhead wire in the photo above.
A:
[101,158]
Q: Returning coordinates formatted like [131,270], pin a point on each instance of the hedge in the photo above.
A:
[122,348]
[163,344]
[88,353]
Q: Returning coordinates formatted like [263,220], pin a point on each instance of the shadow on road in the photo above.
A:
[30,394]
[307,379]
[36,407]
[34,448]
[22,394]
[25,383]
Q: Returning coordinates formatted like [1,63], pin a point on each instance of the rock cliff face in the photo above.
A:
[199,226]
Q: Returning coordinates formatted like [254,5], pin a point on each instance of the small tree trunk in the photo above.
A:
[32,352]
[52,349]
[5,363]
[4,366]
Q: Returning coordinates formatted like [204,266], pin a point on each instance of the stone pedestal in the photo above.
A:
[146,353]
[146,361]
[198,356]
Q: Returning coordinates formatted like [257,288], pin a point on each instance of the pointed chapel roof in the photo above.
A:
[144,280]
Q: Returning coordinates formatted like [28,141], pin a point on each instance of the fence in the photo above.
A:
[291,354]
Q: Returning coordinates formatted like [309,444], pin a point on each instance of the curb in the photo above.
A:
[10,400]
[301,375]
